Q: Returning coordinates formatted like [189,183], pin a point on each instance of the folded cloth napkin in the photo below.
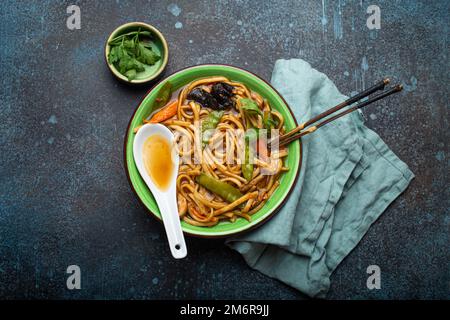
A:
[348,178]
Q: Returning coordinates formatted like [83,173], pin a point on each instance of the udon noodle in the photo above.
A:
[198,205]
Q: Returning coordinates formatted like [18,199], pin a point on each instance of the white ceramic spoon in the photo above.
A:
[166,199]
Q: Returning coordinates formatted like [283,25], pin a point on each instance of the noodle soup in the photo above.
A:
[226,169]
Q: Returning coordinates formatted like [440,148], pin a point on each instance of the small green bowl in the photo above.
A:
[159,45]
[255,83]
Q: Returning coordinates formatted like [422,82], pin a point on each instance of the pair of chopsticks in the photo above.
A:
[306,128]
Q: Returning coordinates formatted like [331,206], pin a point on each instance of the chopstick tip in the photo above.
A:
[386,81]
[399,87]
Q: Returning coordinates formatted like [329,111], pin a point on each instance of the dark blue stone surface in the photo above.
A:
[64,195]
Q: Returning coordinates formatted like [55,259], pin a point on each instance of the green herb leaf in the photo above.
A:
[129,55]
[131,74]
[129,45]
[146,44]
[118,39]
[114,55]
[146,55]
[127,63]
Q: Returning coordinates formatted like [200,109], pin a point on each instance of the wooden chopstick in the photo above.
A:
[289,139]
[378,86]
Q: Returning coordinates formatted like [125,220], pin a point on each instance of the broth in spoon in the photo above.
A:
[157,156]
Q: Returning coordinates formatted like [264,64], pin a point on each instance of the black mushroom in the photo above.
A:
[203,97]
[223,92]
[220,97]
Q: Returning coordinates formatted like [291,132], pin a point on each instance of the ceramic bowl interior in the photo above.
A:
[293,160]
[158,44]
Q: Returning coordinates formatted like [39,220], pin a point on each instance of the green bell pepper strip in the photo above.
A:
[222,189]
[163,96]
[268,121]
[211,122]
[247,166]
[249,106]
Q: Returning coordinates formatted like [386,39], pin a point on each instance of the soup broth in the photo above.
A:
[158,160]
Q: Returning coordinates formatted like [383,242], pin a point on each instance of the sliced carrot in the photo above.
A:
[166,112]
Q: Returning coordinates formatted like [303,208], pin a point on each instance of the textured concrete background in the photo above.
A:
[64,196]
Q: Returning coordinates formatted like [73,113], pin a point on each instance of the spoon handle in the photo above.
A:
[169,211]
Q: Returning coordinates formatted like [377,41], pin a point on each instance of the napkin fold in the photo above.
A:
[348,178]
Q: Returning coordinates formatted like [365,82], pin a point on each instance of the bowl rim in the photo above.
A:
[214,236]
[158,34]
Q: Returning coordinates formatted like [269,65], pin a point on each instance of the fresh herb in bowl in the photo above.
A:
[130,53]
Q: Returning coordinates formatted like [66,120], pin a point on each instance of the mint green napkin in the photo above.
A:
[348,178]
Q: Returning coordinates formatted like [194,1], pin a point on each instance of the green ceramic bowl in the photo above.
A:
[256,84]
[158,44]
